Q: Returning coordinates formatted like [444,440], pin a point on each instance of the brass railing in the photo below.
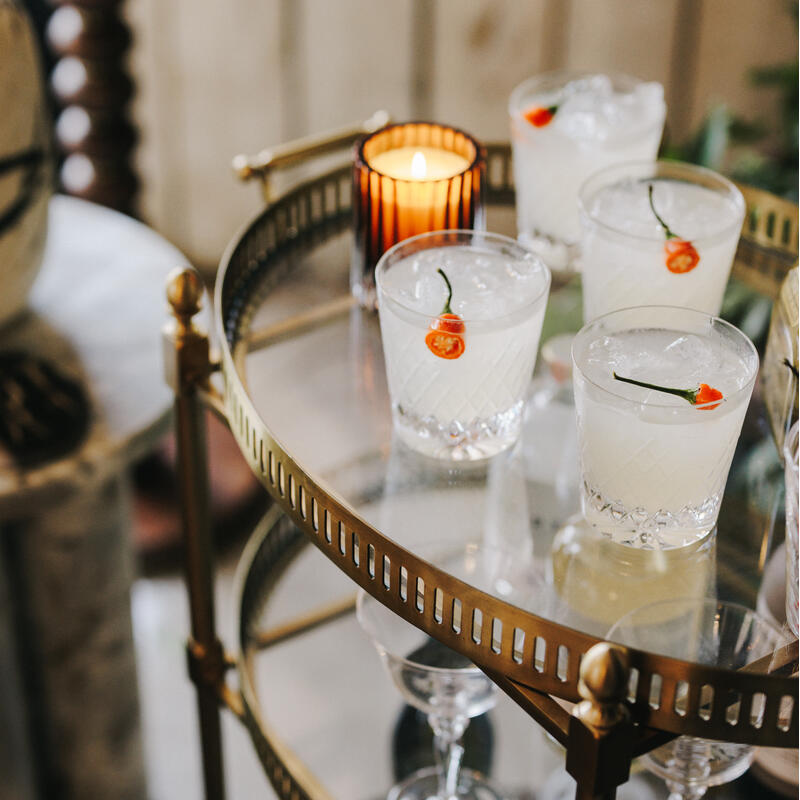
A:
[532,658]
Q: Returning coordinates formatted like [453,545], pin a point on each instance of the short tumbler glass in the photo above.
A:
[461,314]
[654,465]
[597,120]
[657,233]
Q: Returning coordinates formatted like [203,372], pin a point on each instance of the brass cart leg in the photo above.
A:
[187,369]
[601,741]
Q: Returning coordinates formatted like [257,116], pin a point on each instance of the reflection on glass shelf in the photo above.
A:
[423,499]
[550,443]
[599,580]
[514,500]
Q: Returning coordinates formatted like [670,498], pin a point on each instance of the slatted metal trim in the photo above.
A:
[551,657]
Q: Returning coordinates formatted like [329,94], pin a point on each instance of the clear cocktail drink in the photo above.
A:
[659,232]
[564,127]
[461,314]
[653,464]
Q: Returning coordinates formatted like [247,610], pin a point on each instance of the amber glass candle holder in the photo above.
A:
[411,178]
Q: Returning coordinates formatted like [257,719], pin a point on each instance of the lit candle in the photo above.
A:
[418,163]
[410,179]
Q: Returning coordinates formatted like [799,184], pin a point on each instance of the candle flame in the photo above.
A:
[418,166]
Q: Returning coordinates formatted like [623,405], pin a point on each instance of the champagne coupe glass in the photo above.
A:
[710,632]
[446,686]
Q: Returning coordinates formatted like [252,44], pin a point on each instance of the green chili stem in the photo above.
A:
[668,233]
[447,309]
[690,395]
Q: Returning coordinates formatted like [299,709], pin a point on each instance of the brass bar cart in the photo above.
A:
[539,663]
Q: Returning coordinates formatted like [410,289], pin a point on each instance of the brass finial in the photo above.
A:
[603,685]
[242,167]
[185,292]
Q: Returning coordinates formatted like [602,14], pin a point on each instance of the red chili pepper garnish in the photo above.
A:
[539,116]
[706,394]
[445,338]
[681,255]
[697,397]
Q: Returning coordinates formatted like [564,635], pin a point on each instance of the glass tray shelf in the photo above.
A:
[305,396]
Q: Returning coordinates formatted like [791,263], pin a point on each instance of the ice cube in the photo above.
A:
[592,109]
[650,94]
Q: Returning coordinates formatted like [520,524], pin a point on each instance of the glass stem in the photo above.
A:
[685,793]
[690,768]
[448,751]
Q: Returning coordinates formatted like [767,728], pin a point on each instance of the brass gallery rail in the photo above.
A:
[630,697]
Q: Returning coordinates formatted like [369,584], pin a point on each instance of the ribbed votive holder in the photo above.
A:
[411,178]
